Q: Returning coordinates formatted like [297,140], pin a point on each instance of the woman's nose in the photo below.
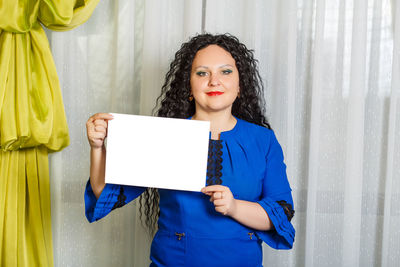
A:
[214,80]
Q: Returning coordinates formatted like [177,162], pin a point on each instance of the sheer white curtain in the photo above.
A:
[96,67]
[333,98]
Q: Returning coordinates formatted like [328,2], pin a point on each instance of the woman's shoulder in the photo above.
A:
[252,133]
[259,136]
[252,128]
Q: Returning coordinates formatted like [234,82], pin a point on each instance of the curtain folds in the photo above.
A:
[26,222]
[32,123]
[65,15]
[32,111]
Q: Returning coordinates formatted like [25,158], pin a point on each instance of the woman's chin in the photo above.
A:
[214,106]
[218,108]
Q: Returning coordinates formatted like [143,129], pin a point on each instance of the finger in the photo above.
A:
[221,209]
[90,124]
[213,188]
[207,193]
[212,198]
[217,195]
[97,135]
[102,116]
[100,128]
[99,122]
[219,202]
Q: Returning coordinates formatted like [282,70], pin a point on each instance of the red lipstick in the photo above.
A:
[214,93]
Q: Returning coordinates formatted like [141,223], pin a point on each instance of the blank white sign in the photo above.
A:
[157,152]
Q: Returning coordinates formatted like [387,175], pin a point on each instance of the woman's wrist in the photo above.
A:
[233,208]
[98,148]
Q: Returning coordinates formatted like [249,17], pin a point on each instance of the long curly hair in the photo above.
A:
[174,99]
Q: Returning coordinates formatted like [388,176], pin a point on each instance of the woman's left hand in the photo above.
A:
[222,198]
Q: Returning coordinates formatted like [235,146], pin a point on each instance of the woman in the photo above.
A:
[247,199]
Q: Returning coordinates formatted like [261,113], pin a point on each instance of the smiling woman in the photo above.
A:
[214,81]
[247,197]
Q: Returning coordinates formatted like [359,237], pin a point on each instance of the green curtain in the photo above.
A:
[32,123]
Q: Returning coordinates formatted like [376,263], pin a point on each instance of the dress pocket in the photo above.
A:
[168,249]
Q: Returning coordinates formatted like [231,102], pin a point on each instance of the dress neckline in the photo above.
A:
[225,134]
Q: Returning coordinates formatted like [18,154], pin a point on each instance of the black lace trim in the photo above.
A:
[287,208]
[121,199]
[214,163]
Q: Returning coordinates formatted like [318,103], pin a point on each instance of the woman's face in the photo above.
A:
[214,79]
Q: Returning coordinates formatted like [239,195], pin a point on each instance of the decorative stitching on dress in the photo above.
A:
[120,200]
[287,208]
[214,163]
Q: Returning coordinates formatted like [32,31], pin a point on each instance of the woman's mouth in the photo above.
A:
[214,93]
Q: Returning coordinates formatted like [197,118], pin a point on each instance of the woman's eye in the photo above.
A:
[226,71]
[201,73]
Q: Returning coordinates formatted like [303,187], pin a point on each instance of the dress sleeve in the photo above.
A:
[277,200]
[113,196]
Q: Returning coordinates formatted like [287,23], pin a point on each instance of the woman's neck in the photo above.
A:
[219,122]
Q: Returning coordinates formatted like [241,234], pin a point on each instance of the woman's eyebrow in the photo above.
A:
[226,65]
[201,67]
[220,67]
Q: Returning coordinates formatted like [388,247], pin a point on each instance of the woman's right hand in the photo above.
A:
[96,128]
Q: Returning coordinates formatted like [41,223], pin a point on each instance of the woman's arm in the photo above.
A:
[248,213]
[96,128]
[97,169]
[252,215]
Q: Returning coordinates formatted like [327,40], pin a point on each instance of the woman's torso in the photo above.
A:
[191,232]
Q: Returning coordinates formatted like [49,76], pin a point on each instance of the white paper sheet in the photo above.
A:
[157,152]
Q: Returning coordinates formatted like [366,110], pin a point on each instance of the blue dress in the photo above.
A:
[249,160]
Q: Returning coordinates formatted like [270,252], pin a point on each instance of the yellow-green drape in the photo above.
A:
[32,123]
